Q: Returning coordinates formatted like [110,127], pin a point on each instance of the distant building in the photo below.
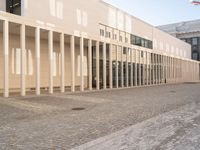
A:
[187,31]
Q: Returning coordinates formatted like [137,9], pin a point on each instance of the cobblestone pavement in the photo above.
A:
[160,117]
[175,130]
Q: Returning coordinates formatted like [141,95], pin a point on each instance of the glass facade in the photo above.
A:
[136,40]
[13,6]
[111,33]
[195,43]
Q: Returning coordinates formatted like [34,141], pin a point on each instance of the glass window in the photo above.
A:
[107,34]
[114,36]
[138,41]
[101,32]
[189,41]
[124,50]
[142,54]
[150,44]
[146,44]
[195,55]
[143,42]
[194,41]
[135,40]
[13,6]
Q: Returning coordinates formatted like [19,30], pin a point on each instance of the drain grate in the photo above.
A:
[172,91]
[78,108]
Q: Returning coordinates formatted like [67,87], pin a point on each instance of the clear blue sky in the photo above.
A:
[159,12]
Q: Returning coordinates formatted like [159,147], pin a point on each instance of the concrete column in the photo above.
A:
[72,49]
[104,66]
[37,60]
[175,65]
[150,67]
[166,68]
[90,63]
[147,70]
[162,66]
[153,67]
[156,66]
[143,68]
[169,68]
[127,69]
[23,58]
[81,64]
[177,70]
[199,70]
[136,68]
[173,69]
[193,71]
[183,69]
[62,51]
[5,58]
[131,67]
[159,69]
[196,71]
[97,65]
[140,78]
[110,66]
[122,68]
[50,40]
[117,67]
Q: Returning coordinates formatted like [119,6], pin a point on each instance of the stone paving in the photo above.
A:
[48,121]
[176,130]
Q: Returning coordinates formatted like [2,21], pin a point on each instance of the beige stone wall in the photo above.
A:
[79,17]
[30,78]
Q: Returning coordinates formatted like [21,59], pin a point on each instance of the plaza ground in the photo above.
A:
[162,117]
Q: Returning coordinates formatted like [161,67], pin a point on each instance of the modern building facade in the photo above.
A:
[189,32]
[76,45]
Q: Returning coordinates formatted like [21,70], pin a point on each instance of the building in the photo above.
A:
[76,45]
[187,31]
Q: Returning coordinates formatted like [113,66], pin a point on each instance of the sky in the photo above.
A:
[159,12]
